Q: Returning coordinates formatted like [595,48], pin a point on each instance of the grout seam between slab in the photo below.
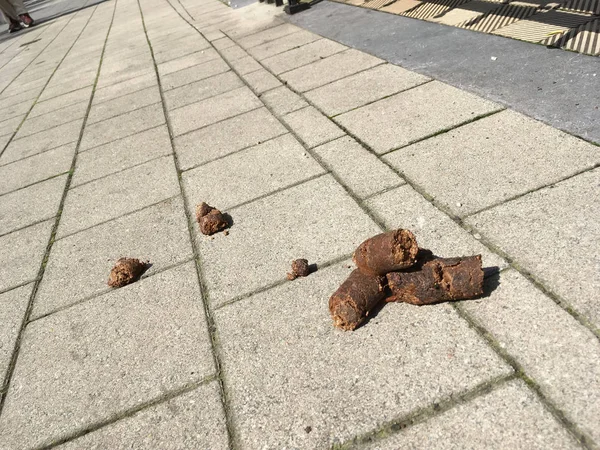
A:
[17,346]
[197,258]
[35,99]
[562,418]
[425,413]
[107,290]
[130,412]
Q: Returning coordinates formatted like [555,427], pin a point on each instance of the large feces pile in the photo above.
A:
[392,267]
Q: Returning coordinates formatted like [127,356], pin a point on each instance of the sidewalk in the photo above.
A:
[125,115]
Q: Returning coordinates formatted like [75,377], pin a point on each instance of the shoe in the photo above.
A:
[14,26]
[26,20]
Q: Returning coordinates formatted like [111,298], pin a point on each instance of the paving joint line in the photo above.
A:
[442,131]
[235,152]
[29,308]
[125,169]
[280,282]
[550,406]
[49,79]
[471,230]
[36,154]
[54,111]
[51,177]
[215,123]
[420,415]
[108,290]
[383,191]
[29,225]
[65,93]
[532,190]
[284,51]
[401,91]
[121,138]
[127,214]
[16,286]
[130,412]
[44,131]
[197,257]
[484,241]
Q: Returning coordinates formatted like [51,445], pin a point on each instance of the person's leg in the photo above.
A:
[18,6]
[8,11]
[24,16]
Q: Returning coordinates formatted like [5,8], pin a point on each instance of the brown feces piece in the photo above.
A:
[125,271]
[438,280]
[300,268]
[355,298]
[387,252]
[210,219]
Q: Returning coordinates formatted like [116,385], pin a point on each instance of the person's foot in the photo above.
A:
[26,20]
[14,26]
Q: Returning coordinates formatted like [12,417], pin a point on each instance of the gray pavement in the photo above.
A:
[554,86]
[126,114]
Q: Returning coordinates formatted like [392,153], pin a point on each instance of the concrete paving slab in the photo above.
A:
[79,265]
[187,61]
[13,305]
[413,115]
[312,126]
[36,168]
[329,69]
[360,171]
[125,73]
[283,101]
[122,126]
[270,34]
[21,254]
[301,56]
[100,349]
[528,78]
[38,143]
[366,87]
[122,154]
[125,87]
[8,127]
[228,136]
[195,92]
[124,104]
[213,109]
[549,233]
[110,197]
[232,53]
[62,101]
[173,52]
[491,160]
[31,204]
[67,85]
[261,81]
[288,42]
[283,226]
[223,43]
[245,65]
[405,208]
[511,416]
[287,369]
[191,420]
[194,73]
[9,109]
[48,121]
[553,348]
[277,163]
